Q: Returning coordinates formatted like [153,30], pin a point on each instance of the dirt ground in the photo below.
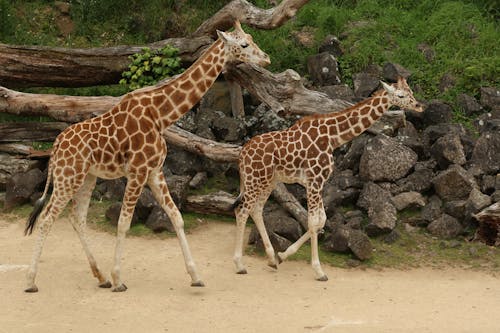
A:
[159,298]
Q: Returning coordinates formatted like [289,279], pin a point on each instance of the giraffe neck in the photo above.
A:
[360,117]
[342,127]
[177,96]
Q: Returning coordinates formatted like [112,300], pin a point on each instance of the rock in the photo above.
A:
[145,204]
[419,181]
[181,162]
[198,180]
[392,237]
[432,210]
[351,159]
[490,97]
[487,122]
[437,112]
[469,105]
[217,98]
[188,121]
[177,186]
[339,91]
[304,36]
[370,194]
[389,123]
[448,150]
[382,218]
[323,69]
[338,240]
[445,227]
[365,84]
[10,165]
[410,137]
[453,184]
[158,221]
[455,208]
[62,7]
[334,197]
[360,244]
[21,186]
[408,200]
[228,129]
[489,224]
[385,159]
[265,120]
[279,221]
[486,153]
[434,132]
[392,71]
[113,214]
[476,202]
[354,219]
[332,45]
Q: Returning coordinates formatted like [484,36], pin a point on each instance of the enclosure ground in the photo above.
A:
[159,298]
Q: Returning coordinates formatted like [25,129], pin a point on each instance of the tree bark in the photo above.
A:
[283,92]
[248,14]
[213,203]
[29,132]
[41,66]
[291,204]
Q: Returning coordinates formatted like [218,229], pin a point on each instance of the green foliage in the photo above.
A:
[150,66]
[6,21]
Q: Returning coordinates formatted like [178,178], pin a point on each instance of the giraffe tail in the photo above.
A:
[39,204]
[238,201]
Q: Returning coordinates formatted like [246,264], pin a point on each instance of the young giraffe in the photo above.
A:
[303,154]
[127,141]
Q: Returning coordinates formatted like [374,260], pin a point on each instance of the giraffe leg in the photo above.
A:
[132,193]
[256,215]
[161,193]
[294,247]
[81,201]
[241,220]
[49,214]
[317,219]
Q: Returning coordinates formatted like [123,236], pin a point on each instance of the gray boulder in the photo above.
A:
[332,45]
[323,69]
[445,227]
[21,186]
[453,183]
[432,210]
[365,84]
[448,150]
[385,159]
[382,214]
[408,200]
[339,91]
[351,159]
[486,153]
[437,112]
[410,137]
[158,221]
[490,97]
[392,71]
[469,105]
[419,180]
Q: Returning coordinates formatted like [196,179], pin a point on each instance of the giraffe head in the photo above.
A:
[241,48]
[400,95]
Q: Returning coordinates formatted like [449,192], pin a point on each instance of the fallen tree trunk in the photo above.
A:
[283,92]
[213,203]
[41,66]
[31,131]
[248,14]
[489,225]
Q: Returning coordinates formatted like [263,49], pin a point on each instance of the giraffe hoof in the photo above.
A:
[197,284]
[323,278]
[273,266]
[105,284]
[242,271]
[278,258]
[119,289]
[33,289]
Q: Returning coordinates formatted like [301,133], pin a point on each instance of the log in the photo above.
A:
[489,225]
[283,92]
[41,66]
[30,131]
[288,201]
[247,13]
[219,203]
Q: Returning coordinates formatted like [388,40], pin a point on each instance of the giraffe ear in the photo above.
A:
[223,36]
[388,87]
[402,82]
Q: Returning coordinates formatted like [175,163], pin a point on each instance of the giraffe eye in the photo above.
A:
[244,45]
[400,96]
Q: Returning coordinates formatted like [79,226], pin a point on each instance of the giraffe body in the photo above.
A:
[127,141]
[303,154]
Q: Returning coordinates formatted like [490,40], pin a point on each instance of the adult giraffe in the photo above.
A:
[303,154]
[127,141]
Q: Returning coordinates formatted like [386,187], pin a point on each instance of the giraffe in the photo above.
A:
[127,141]
[303,154]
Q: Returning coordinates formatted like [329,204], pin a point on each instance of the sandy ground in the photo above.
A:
[159,298]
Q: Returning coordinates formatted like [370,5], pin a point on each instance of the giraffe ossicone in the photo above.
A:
[127,141]
[303,154]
